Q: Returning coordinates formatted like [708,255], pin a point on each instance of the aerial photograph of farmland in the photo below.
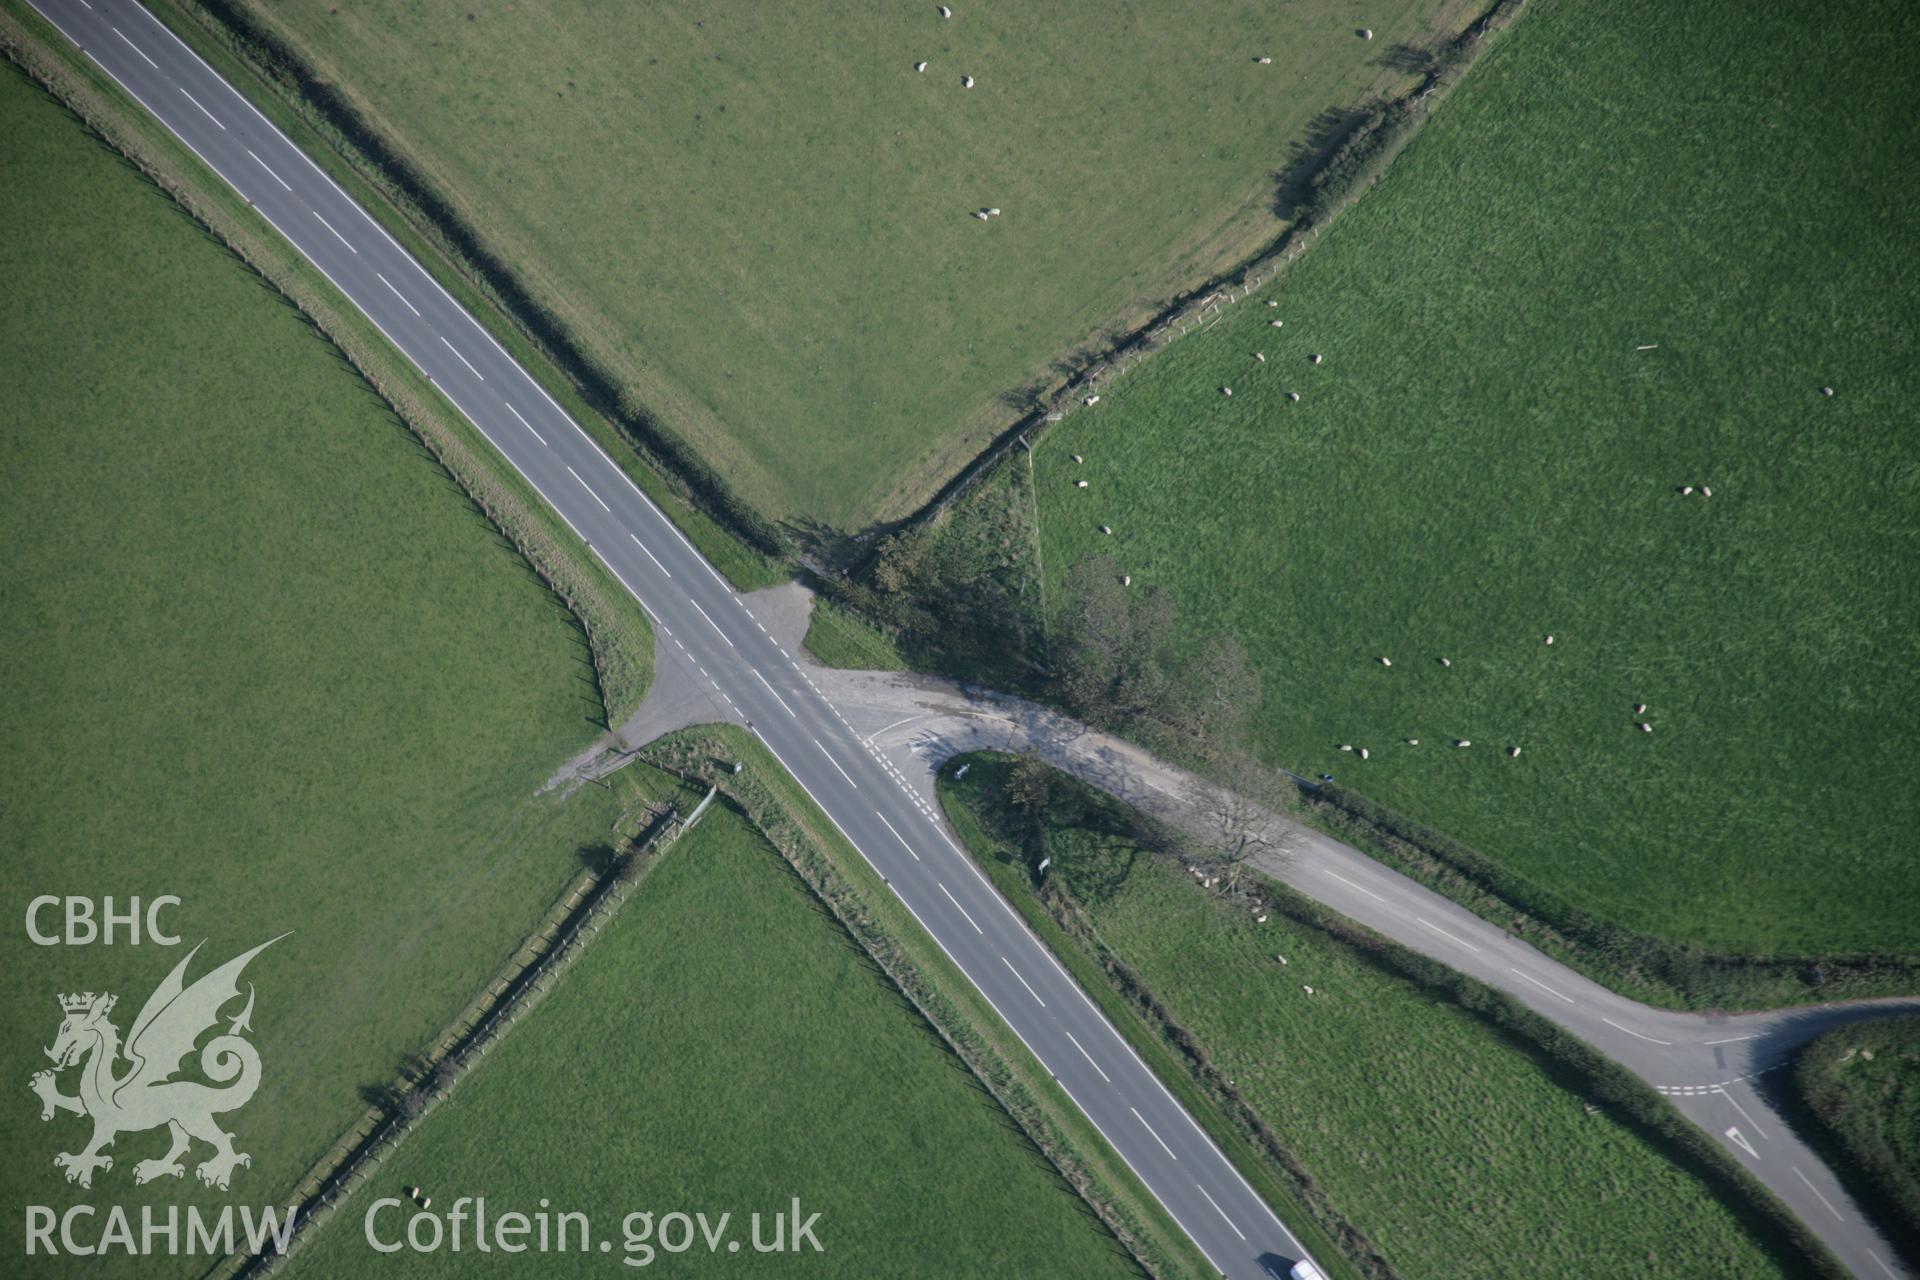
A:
[1166,640]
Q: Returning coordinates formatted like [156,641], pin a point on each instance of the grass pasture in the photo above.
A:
[756,220]
[1485,457]
[724,1047]
[1455,1151]
[262,655]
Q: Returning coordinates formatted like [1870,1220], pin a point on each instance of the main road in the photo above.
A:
[705,624]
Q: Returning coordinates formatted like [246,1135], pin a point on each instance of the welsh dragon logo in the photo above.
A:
[145,1095]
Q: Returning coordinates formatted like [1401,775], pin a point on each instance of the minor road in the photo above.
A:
[1709,1065]
[703,625]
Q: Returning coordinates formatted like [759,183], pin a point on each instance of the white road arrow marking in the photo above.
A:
[1734,1135]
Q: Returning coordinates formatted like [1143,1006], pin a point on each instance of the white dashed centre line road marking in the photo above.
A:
[1735,1039]
[1816,1191]
[516,413]
[897,836]
[591,494]
[830,760]
[1169,1150]
[1635,1034]
[1351,885]
[1448,936]
[343,240]
[203,111]
[770,689]
[656,559]
[137,49]
[1217,1209]
[1882,1264]
[1544,987]
[277,178]
[475,372]
[1089,1057]
[396,293]
[1016,973]
[723,635]
[962,910]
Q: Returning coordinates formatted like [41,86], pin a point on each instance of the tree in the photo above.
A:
[1249,816]
[1030,786]
[1112,646]
[1214,697]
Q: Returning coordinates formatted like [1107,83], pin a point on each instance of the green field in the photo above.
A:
[1485,458]
[725,1047]
[757,220]
[1862,1085]
[1454,1150]
[262,655]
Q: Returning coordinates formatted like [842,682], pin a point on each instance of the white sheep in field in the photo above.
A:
[1705,491]
[1686,491]
[1826,391]
[1107,529]
[1282,959]
[1293,397]
[966,82]
[1346,746]
[1260,356]
[1446,662]
[1645,727]
[1079,484]
[1078,458]
[1549,639]
[1514,752]
[1091,401]
[980,214]
[1386,661]
[1413,742]
[1363,753]
[993,213]
[1226,391]
[1366,33]
[1463,742]
[1639,708]
[1304,987]
[919,66]
[943,11]
[1126,579]
[1278,324]
[1315,357]
[1264,61]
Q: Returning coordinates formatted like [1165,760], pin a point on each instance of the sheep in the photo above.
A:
[920,66]
[1346,746]
[1304,987]
[1091,401]
[1463,742]
[1264,61]
[1645,727]
[943,11]
[1078,459]
[1226,391]
[980,214]
[1639,708]
[1386,661]
[1826,391]
[1363,753]
[1446,662]
[1126,579]
[1261,919]
[1079,484]
[1366,33]
[1260,356]
[1277,324]
[993,213]
[1293,397]
[1513,753]
[966,82]
[1314,358]
[1107,529]
[1413,742]
[1282,959]
[1706,491]
[1686,491]
[1549,639]
[1273,302]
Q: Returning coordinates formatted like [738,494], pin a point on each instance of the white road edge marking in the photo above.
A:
[1216,1207]
[350,249]
[476,373]
[589,488]
[1543,986]
[1816,1191]
[902,839]
[1448,936]
[383,280]
[1016,973]
[956,903]
[516,413]
[1169,1150]
[1089,1057]
[203,111]
[136,48]
[1635,1034]
[770,689]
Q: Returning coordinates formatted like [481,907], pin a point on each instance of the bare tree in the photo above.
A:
[1247,817]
